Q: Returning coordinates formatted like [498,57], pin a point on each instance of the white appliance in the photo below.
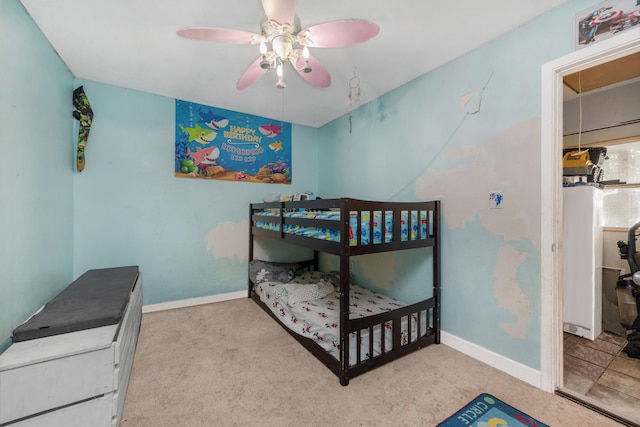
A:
[582,260]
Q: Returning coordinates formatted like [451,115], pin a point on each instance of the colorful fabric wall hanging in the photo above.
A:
[84,114]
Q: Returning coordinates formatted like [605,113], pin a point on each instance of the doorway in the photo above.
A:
[551,192]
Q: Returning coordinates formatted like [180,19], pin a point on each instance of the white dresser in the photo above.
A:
[71,379]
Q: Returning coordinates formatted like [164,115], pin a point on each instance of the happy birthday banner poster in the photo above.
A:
[213,143]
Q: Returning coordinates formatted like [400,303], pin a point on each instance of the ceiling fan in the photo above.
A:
[288,42]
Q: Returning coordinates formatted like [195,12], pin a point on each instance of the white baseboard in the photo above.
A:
[189,302]
[511,367]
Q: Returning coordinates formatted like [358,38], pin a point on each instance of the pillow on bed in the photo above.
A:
[316,276]
[301,292]
[266,271]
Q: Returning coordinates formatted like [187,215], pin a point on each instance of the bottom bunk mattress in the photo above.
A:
[310,306]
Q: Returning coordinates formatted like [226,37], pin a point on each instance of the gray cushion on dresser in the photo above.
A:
[97,298]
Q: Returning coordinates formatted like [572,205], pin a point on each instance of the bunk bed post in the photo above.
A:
[436,270]
[282,210]
[344,293]
[250,250]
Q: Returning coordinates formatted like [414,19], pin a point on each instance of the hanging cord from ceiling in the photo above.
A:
[579,109]
[355,95]
[282,111]
[446,142]
[354,89]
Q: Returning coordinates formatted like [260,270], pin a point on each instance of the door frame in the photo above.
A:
[624,44]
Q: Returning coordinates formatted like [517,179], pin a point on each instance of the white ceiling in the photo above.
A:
[133,44]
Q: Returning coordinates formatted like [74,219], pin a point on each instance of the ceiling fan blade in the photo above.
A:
[221,35]
[340,33]
[251,75]
[281,11]
[319,76]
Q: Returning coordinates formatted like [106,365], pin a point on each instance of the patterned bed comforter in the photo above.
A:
[318,317]
[381,232]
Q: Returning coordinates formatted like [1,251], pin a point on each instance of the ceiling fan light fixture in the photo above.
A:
[305,55]
[265,63]
[283,46]
[280,73]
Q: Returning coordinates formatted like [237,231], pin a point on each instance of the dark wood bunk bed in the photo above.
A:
[421,217]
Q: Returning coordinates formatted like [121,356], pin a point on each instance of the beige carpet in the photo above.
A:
[230,364]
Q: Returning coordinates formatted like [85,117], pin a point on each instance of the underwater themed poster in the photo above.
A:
[213,143]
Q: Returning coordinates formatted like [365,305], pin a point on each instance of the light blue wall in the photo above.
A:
[414,143]
[188,236]
[36,181]
[419,143]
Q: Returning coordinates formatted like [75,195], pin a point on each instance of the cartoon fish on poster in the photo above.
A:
[206,156]
[217,123]
[214,121]
[199,134]
[271,130]
[276,146]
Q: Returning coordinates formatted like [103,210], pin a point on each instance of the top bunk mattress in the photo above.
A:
[97,298]
[381,231]
[348,225]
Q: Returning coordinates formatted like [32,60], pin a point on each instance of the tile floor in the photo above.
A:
[601,371]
